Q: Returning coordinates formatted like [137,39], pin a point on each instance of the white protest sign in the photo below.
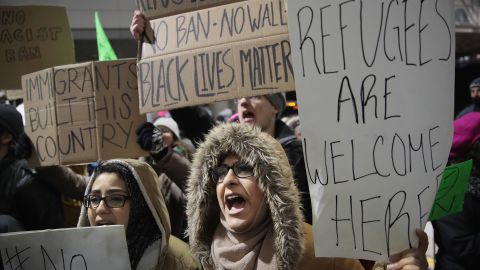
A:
[73,249]
[375,87]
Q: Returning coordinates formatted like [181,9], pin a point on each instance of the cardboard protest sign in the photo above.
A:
[245,52]
[213,26]
[32,38]
[451,191]
[83,112]
[160,8]
[375,88]
[219,73]
[74,249]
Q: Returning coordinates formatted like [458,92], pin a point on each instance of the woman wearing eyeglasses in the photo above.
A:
[125,192]
[244,209]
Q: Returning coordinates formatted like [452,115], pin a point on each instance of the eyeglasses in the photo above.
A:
[111,201]
[240,169]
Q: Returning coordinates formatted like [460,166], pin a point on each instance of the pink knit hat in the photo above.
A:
[466,131]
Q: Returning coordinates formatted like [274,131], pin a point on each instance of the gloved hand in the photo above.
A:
[150,138]
[23,147]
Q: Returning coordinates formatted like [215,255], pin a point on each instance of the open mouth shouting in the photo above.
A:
[248,117]
[235,203]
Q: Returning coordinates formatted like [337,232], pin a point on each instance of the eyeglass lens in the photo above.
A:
[240,169]
[112,201]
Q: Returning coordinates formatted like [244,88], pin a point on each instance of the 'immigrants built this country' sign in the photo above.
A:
[83,112]
[374,83]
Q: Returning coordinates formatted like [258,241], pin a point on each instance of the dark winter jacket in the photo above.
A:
[294,151]
[172,170]
[64,180]
[458,238]
[24,196]
[458,235]
[470,108]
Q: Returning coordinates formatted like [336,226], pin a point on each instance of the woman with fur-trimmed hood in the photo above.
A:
[244,209]
[126,192]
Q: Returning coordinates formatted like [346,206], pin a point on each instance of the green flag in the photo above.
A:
[105,50]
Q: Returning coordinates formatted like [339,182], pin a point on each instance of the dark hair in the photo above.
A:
[142,230]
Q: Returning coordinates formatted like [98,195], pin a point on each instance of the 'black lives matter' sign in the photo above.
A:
[374,84]
[220,53]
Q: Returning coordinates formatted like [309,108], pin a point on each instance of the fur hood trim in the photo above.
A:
[274,176]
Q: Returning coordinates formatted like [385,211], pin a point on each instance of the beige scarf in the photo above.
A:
[249,250]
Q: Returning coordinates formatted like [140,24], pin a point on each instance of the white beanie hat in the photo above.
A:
[169,123]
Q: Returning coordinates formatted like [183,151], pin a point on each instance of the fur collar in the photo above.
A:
[274,176]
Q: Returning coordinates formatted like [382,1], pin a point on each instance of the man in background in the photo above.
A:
[475,96]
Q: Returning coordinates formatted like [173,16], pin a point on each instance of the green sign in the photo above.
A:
[451,191]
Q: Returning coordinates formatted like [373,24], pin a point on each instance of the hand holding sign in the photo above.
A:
[413,258]
[137,27]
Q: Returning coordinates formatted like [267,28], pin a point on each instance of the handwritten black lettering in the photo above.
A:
[17,255]
[363,222]
[367,97]
[395,155]
[12,16]
[400,214]
[260,67]
[306,12]
[432,144]
[196,27]
[421,213]
[323,38]
[233,21]
[395,27]
[349,219]
[369,64]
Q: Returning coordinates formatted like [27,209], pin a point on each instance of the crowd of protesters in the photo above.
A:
[214,193]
